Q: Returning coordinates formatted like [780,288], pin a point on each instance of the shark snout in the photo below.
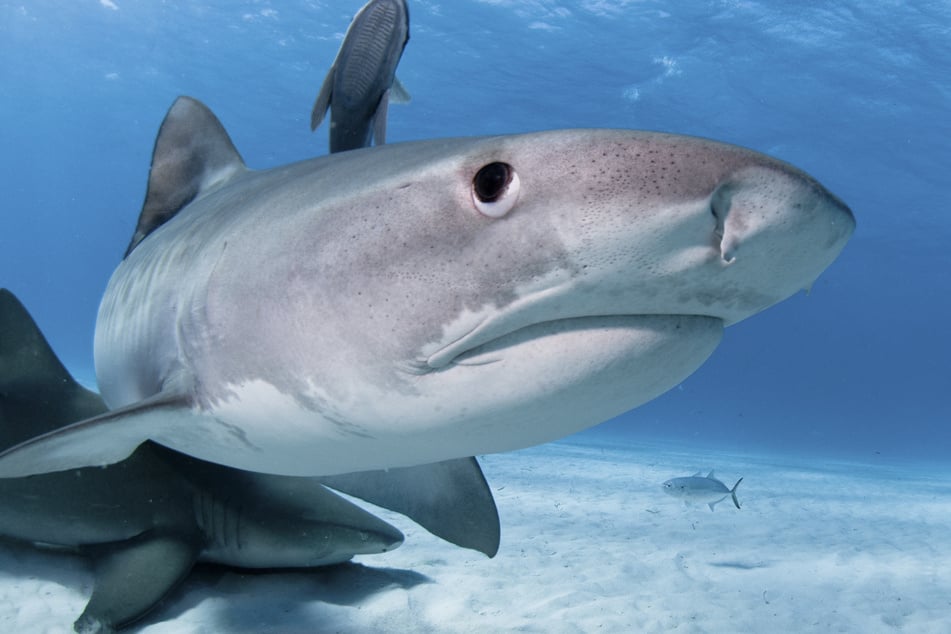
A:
[759,201]
[777,229]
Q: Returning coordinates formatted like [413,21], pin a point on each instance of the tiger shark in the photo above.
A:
[362,80]
[416,302]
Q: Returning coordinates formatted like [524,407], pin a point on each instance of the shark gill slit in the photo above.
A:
[217,520]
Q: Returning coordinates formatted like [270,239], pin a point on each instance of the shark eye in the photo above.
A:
[495,189]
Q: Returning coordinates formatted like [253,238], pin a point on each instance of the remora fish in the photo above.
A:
[362,80]
[700,489]
[412,303]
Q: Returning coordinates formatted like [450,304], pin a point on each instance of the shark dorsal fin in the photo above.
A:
[710,475]
[192,154]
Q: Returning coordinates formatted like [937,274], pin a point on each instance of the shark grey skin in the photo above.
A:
[701,489]
[362,80]
[450,499]
[411,303]
[152,516]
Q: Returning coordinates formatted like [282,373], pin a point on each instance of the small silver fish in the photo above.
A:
[698,488]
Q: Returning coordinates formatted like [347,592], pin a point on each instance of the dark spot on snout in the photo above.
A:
[491,181]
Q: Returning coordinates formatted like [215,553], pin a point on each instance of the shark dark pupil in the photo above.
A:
[491,181]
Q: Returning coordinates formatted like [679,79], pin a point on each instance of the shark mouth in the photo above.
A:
[486,345]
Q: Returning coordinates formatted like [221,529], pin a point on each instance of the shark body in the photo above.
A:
[413,303]
[154,515]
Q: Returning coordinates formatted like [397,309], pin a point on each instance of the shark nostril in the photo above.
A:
[720,203]
[718,231]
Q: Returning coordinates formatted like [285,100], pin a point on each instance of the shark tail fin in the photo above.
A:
[733,493]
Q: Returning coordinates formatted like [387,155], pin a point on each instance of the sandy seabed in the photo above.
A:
[590,543]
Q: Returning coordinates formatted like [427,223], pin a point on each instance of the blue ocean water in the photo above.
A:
[856,93]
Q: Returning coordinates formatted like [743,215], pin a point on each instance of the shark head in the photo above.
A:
[490,294]
[417,302]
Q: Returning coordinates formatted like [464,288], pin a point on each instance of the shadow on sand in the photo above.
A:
[281,600]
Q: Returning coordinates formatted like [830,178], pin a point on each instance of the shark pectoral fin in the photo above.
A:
[379,119]
[450,499]
[97,441]
[398,92]
[322,103]
[132,577]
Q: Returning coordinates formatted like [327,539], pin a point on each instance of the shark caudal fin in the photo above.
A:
[733,493]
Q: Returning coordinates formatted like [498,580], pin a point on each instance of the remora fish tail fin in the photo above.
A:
[37,393]
[192,154]
[97,441]
[733,493]
[450,499]
[322,103]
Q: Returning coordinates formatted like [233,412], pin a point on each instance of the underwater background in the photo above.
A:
[856,93]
